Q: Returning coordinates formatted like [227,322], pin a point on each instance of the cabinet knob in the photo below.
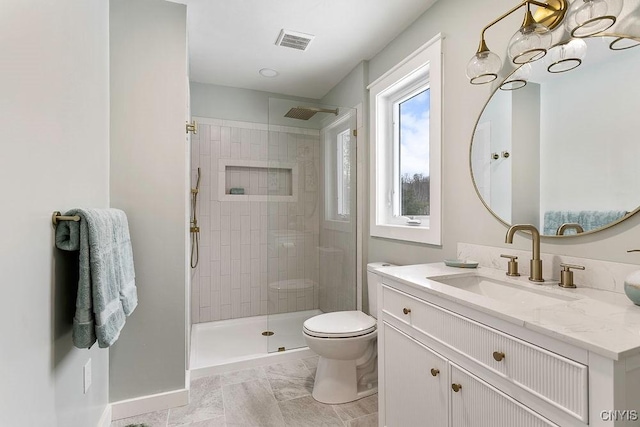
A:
[456,387]
[435,372]
[406,310]
[498,356]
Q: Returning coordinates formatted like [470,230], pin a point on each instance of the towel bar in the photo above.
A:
[57,216]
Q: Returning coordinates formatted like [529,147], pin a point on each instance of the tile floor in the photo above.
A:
[276,395]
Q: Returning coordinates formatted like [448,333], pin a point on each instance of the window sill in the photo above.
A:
[409,233]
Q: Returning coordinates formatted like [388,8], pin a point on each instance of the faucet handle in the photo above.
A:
[512,265]
[568,267]
[566,275]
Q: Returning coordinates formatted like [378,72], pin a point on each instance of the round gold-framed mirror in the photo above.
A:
[562,151]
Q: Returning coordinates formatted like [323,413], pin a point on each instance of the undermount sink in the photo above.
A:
[503,291]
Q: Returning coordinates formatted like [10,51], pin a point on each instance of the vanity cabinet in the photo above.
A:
[442,364]
[417,382]
[422,388]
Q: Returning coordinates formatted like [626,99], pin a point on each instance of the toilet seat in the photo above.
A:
[340,324]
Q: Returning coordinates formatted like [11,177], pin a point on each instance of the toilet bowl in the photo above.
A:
[347,346]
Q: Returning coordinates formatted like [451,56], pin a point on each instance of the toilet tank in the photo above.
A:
[374,281]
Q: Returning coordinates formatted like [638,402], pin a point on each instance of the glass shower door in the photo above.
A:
[311,228]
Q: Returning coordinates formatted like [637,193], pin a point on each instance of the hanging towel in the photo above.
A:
[106,287]
[589,220]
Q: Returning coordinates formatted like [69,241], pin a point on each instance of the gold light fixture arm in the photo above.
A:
[550,14]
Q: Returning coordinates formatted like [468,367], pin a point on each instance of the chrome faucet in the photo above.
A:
[536,262]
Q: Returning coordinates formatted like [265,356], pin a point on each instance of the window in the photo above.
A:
[343,174]
[339,164]
[406,146]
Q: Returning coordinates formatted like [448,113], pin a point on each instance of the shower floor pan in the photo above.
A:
[229,345]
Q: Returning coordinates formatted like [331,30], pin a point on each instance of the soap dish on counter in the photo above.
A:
[461,263]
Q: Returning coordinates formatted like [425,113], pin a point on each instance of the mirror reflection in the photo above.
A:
[563,151]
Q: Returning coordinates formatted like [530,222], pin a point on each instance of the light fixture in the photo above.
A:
[630,27]
[528,44]
[484,66]
[566,55]
[589,17]
[518,79]
[268,72]
[622,43]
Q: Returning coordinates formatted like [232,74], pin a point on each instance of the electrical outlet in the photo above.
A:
[87,376]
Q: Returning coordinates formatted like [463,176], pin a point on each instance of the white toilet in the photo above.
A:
[346,343]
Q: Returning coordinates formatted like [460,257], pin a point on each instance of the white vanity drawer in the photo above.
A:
[559,381]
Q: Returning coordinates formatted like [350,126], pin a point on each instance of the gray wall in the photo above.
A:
[149,181]
[464,217]
[54,135]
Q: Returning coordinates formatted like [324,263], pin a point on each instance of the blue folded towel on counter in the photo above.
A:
[589,220]
[106,287]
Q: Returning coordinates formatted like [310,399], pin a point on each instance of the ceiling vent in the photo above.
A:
[294,40]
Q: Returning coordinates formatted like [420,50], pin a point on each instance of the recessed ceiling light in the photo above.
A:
[268,72]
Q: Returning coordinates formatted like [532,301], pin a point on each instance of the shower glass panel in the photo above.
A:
[311,212]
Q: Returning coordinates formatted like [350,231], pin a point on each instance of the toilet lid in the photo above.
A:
[340,324]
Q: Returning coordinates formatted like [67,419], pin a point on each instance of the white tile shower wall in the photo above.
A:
[604,275]
[256,258]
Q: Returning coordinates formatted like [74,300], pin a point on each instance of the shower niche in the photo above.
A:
[257,181]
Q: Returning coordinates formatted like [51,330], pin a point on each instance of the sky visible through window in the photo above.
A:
[414,135]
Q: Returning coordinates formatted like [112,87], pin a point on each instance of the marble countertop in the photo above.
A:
[606,323]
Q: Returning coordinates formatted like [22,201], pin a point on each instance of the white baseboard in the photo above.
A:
[105,419]
[145,404]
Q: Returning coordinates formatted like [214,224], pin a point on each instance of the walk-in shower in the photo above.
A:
[277,231]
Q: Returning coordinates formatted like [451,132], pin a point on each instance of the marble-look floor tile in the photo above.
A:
[251,403]
[357,409]
[312,364]
[152,419]
[307,412]
[235,377]
[370,420]
[205,402]
[213,422]
[289,380]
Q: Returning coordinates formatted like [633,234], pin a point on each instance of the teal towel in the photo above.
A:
[106,287]
[589,220]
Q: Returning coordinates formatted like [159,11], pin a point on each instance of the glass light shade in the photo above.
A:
[588,17]
[529,43]
[623,43]
[566,56]
[518,78]
[483,67]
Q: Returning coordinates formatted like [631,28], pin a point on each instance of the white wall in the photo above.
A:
[54,134]
[465,218]
[149,181]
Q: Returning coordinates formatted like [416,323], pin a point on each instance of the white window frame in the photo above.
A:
[332,220]
[421,69]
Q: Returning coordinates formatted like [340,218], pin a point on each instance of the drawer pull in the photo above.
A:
[456,387]
[435,372]
[406,310]
[498,356]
